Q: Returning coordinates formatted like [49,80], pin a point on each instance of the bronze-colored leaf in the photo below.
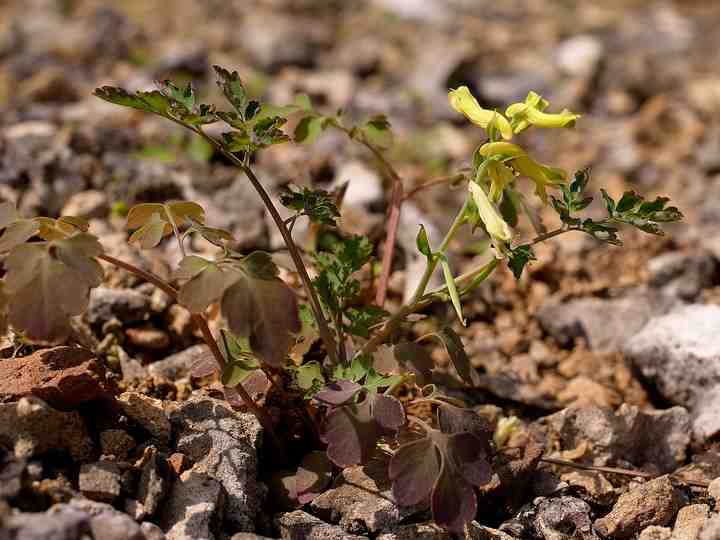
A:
[16,233]
[265,311]
[47,283]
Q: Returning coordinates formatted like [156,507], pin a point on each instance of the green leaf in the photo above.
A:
[238,141]
[184,97]
[355,371]
[633,210]
[237,370]
[364,319]
[310,376]
[233,89]
[377,132]
[519,257]
[154,101]
[267,132]
[422,243]
[452,289]
[309,128]
[317,204]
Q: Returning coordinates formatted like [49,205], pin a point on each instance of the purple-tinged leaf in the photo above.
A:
[458,356]
[205,367]
[264,310]
[416,359]
[388,411]
[313,476]
[453,419]
[338,392]
[350,433]
[468,457]
[454,502]
[413,470]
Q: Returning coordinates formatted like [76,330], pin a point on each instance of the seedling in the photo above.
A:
[350,388]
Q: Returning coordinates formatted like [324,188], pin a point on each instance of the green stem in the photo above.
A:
[433,261]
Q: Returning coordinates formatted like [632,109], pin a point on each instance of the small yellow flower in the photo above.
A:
[494,223]
[500,176]
[524,165]
[522,115]
[465,103]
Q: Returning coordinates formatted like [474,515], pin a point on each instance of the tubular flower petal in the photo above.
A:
[542,175]
[524,165]
[522,115]
[495,225]
[500,176]
[465,103]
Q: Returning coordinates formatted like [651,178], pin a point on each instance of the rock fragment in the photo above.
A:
[653,503]
[361,500]
[223,444]
[300,525]
[679,354]
[148,413]
[193,509]
[101,481]
[64,377]
[31,427]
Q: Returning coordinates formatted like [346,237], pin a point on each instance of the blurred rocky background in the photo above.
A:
[588,336]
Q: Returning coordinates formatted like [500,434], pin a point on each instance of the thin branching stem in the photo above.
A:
[323,327]
[617,470]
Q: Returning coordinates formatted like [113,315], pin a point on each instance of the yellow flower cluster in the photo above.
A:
[502,160]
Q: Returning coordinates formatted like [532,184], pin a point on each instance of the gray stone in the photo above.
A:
[579,55]
[299,525]
[87,204]
[223,444]
[101,481]
[680,353]
[563,518]
[364,184]
[178,365]
[31,427]
[658,439]
[148,413]
[711,530]
[654,503]
[151,531]
[64,524]
[606,324]
[690,521]
[416,531]
[12,475]
[361,500]
[193,508]
[680,274]
[116,442]
[656,533]
[714,492]
[126,305]
[152,486]
[475,531]
[115,526]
